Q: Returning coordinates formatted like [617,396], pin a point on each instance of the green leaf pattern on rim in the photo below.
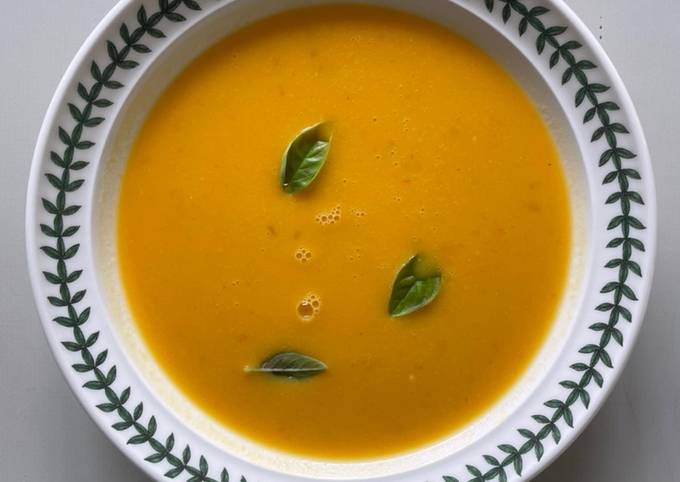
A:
[118,402]
[102,376]
[563,51]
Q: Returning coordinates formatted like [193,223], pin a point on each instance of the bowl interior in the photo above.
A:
[159,73]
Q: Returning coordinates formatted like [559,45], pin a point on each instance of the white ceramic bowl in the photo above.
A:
[110,85]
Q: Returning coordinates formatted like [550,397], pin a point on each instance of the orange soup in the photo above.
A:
[430,149]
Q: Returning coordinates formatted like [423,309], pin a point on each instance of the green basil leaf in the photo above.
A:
[415,286]
[304,157]
[290,365]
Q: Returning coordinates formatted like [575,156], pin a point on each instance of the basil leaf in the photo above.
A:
[304,157]
[290,365]
[414,287]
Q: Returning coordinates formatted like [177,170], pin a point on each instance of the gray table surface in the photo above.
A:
[44,433]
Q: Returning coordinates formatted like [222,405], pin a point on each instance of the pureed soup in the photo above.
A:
[356,288]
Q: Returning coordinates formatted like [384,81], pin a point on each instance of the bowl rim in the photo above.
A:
[636,137]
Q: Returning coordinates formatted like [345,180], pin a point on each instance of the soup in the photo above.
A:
[431,149]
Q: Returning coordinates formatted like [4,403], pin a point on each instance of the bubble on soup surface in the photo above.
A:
[309,307]
[303,255]
[305,310]
[331,217]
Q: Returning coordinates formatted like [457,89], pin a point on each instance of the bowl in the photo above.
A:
[80,155]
